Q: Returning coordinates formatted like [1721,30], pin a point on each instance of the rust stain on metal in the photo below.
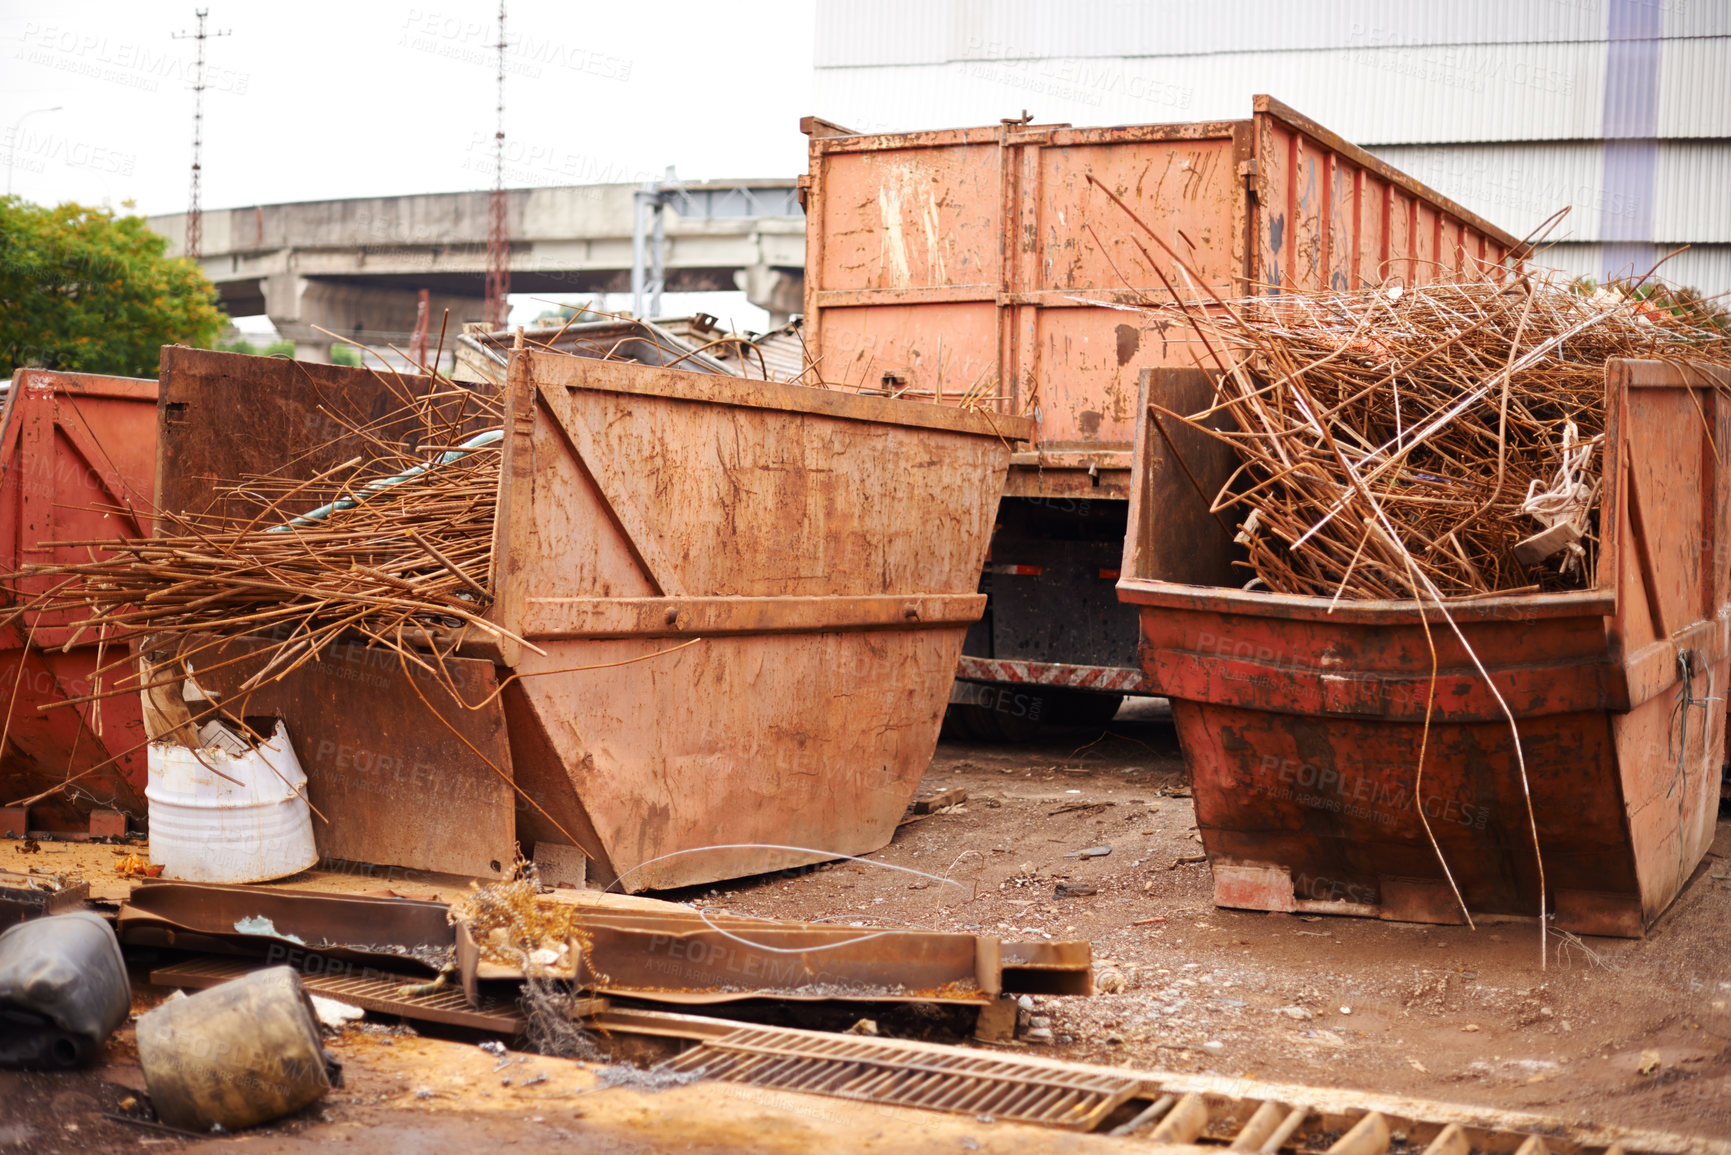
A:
[1301,722]
[396,785]
[352,928]
[984,238]
[743,603]
[776,523]
[77,463]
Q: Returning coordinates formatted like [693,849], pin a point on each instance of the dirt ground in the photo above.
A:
[1436,1013]
[403,1094]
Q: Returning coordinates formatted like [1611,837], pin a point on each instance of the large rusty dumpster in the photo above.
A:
[392,784]
[742,604]
[986,261]
[1302,727]
[824,546]
[77,463]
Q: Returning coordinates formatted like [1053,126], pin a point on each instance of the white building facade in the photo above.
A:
[1619,109]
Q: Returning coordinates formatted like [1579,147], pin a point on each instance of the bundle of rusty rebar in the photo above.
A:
[1396,435]
[394,545]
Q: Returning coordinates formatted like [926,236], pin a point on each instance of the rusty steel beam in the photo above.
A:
[352,928]
[688,957]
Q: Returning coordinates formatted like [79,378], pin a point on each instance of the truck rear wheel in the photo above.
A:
[1080,708]
[1034,709]
[984,724]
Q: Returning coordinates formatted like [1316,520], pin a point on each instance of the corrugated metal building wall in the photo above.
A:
[1515,108]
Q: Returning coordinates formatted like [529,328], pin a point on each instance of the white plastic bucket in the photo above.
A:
[204,828]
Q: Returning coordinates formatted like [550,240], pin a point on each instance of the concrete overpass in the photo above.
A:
[356,266]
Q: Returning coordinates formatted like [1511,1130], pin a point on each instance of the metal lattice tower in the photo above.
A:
[498,231]
[194,213]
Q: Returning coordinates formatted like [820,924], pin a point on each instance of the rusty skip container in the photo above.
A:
[982,258]
[1301,727]
[745,601]
[77,463]
[825,547]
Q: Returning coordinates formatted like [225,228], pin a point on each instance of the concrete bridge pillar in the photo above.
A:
[368,314]
[779,292]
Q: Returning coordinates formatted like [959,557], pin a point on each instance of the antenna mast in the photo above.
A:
[498,233]
[194,212]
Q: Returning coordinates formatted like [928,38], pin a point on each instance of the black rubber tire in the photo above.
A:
[989,725]
[955,727]
[1081,708]
[1040,706]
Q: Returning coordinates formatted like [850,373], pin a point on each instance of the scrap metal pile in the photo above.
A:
[399,552]
[1438,441]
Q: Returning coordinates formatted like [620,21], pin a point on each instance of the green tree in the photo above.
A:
[83,289]
[274,349]
[344,355]
[562,313]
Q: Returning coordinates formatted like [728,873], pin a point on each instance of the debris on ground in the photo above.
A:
[63,990]
[134,866]
[333,1013]
[1436,443]
[649,949]
[236,1055]
[33,895]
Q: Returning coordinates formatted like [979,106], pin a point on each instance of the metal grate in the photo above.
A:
[1245,1115]
[370,990]
[897,1074]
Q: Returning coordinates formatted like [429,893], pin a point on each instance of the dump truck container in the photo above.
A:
[982,262]
[1301,727]
[77,463]
[743,603]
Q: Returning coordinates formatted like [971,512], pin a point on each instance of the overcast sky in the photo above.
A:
[315,99]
